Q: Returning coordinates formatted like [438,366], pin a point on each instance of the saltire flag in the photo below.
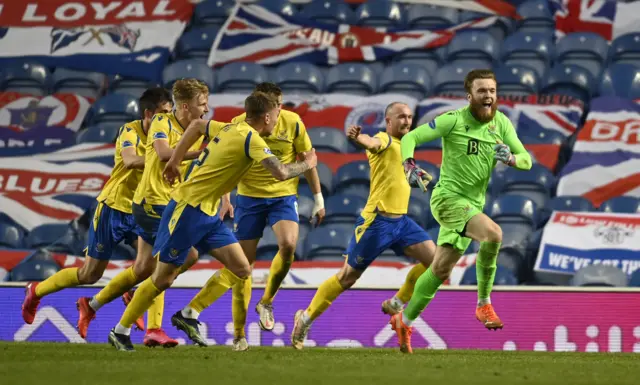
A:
[606,156]
[22,112]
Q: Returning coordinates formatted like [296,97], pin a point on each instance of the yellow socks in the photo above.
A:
[239,305]
[155,312]
[215,287]
[117,286]
[405,292]
[60,280]
[140,303]
[277,272]
[328,291]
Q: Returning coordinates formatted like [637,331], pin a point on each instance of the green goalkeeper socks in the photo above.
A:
[486,265]
[426,288]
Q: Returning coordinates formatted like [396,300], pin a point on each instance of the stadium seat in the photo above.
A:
[88,84]
[305,190]
[100,133]
[536,184]
[539,136]
[430,59]
[563,203]
[352,78]
[268,244]
[534,50]
[570,80]
[10,236]
[114,108]
[533,245]
[621,204]
[417,210]
[326,178]
[503,277]
[33,271]
[513,259]
[190,68]
[634,280]
[426,16]
[123,252]
[622,80]
[196,43]
[129,86]
[380,13]
[584,49]
[328,241]
[213,12]
[299,77]
[473,45]
[449,79]
[599,275]
[283,7]
[305,207]
[356,172]
[240,77]
[536,17]
[54,237]
[516,215]
[328,139]
[342,208]
[517,80]
[329,12]
[25,77]
[409,79]
[625,49]
[359,189]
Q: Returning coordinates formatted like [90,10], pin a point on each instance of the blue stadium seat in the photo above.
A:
[634,280]
[429,59]
[410,79]
[356,172]
[473,45]
[190,68]
[329,12]
[517,80]
[585,49]
[513,259]
[53,237]
[534,50]
[240,77]
[622,204]
[283,7]
[328,241]
[268,244]
[305,190]
[599,275]
[504,276]
[357,189]
[380,13]
[129,86]
[513,208]
[123,252]
[449,79]
[305,207]
[417,210]
[342,208]
[533,244]
[533,136]
[570,80]
[89,84]
[563,203]
[425,16]
[196,43]
[537,184]
[33,271]
[326,178]
[536,17]
[99,133]
[10,236]
[625,49]
[352,78]
[25,77]
[621,79]
[328,139]
[114,108]
[212,12]
[299,77]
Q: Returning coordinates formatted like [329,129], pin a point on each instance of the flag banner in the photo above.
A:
[22,112]
[606,156]
[255,34]
[573,240]
[130,38]
[494,7]
[610,19]
[35,141]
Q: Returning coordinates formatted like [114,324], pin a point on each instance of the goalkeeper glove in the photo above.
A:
[416,176]
[504,155]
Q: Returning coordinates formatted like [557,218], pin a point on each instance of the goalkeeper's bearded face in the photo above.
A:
[483,99]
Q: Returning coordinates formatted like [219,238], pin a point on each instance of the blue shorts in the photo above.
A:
[108,228]
[375,233]
[148,218]
[184,226]
[253,214]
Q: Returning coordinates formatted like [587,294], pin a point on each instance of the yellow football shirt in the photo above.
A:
[389,191]
[118,192]
[289,137]
[230,153]
[153,189]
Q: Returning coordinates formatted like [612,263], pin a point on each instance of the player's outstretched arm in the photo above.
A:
[282,171]
[365,141]
[512,151]
[131,160]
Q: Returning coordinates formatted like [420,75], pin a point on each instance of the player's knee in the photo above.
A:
[89,276]
[287,249]
[143,270]
[348,276]
[494,233]
[242,271]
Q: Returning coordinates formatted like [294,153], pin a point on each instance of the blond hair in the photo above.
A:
[259,103]
[184,90]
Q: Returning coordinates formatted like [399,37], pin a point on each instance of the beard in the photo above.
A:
[482,113]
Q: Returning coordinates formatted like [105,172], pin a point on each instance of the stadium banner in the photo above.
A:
[610,19]
[35,141]
[255,34]
[578,321]
[130,38]
[606,156]
[22,112]
[573,240]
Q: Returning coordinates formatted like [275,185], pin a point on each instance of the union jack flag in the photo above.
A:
[596,16]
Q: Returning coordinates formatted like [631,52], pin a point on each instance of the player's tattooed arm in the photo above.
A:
[363,140]
[282,171]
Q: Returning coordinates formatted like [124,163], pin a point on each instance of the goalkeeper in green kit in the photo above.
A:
[474,139]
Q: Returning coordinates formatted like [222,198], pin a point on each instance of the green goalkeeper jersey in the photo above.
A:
[467,150]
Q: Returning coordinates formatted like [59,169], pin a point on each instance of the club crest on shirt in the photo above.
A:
[267,151]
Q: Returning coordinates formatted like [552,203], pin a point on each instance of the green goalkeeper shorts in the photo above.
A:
[452,211]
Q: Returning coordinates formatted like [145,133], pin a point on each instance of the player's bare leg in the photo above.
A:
[241,296]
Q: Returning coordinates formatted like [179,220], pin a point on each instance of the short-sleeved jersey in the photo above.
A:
[389,191]
[121,186]
[230,153]
[153,189]
[289,138]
